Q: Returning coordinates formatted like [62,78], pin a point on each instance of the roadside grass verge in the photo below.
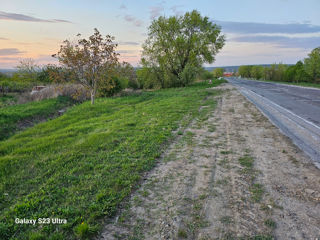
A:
[80,166]
[302,84]
[11,116]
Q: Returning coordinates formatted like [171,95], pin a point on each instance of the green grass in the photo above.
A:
[270,223]
[7,100]
[256,192]
[80,166]
[303,84]
[10,116]
[246,161]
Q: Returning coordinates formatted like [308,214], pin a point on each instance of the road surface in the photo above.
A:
[295,110]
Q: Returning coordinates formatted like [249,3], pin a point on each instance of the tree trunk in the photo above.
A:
[92,96]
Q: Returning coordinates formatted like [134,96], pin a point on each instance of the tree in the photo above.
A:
[312,64]
[257,72]
[27,70]
[245,71]
[218,72]
[89,59]
[296,73]
[177,47]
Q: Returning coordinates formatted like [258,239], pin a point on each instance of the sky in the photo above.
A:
[257,31]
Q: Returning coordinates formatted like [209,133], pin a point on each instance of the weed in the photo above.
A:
[256,192]
[225,152]
[270,223]
[182,233]
[246,161]
[226,220]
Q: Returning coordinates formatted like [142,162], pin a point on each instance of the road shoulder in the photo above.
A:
[231,174]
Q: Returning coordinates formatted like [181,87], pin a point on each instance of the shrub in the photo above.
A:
[111,86]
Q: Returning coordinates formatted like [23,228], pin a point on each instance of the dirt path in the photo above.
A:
[229,177]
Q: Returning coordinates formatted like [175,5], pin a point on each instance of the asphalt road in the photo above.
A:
[294,110]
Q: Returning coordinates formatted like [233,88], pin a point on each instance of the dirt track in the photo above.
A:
[232,176]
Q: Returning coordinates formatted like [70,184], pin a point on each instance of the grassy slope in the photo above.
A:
[81,165]
[10,116]
[7,100]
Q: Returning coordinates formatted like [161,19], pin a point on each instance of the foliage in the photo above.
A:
[177,47]
[126,72]
[245,71]
[27,70]
[89,59]
[218,72]
[10,116]
[81,165]
[149,77]
[296,74]
[307,72]
[312,65]
[111,85]
[257,72]
[206,75]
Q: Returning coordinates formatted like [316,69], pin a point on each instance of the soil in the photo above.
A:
[232,176]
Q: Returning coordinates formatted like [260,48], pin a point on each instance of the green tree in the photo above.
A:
[89,59]
[296,73]
[256,72]
[312,64]
[218,72]
[177,47]
[27,71]
[245,71]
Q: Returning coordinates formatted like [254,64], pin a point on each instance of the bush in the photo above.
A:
[218,72]
[147,78]
[111,86]
[76,92]
[206,75]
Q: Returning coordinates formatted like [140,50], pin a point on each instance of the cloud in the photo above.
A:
[252,27]
[26,18]
[155,11]
[282,41]
[133,20]
[129,43]
[126,51]
[10,51]
[122,6]
[13,59]
[2,38]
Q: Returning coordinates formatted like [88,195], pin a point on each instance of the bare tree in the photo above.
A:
[89,59]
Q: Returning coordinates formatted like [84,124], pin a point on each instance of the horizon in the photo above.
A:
[256,35]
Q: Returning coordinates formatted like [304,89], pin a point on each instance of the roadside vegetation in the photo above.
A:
[305,73]
[81,165]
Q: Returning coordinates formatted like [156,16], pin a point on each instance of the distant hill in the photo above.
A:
[7,71]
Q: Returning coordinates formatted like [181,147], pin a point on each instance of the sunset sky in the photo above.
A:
[257,32]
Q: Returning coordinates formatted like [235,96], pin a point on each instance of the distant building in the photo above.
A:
[228,74]
[37,89]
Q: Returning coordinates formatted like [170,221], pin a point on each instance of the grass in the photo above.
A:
[303,84]
[11,116]
[256,192]
[82,165]
[270,223]
[246,161]
[6,100]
